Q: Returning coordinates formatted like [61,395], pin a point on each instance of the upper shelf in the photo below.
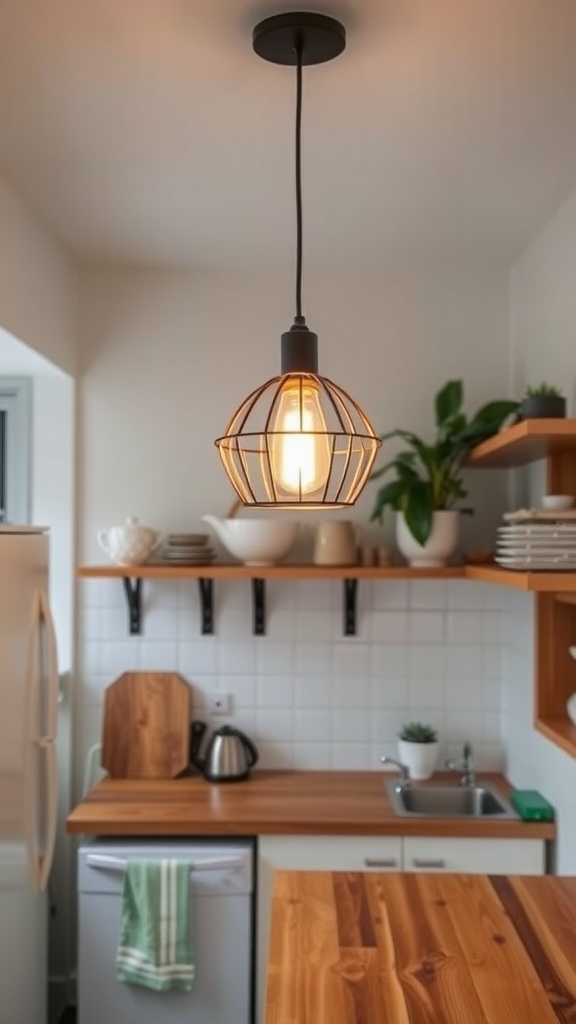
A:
[525,442]
[271,572]
[490,573]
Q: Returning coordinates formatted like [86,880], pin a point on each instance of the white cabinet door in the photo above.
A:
[313,853]
[475,856]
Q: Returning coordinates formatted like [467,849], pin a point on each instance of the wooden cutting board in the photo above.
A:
[146,726]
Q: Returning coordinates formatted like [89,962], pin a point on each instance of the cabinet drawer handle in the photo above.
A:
[423,862]
[386,862]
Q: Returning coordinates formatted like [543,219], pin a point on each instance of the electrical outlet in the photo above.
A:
[219,703]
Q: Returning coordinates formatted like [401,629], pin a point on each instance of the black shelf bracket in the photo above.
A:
[133,591]
[207,602]
[350,594]
[259,607]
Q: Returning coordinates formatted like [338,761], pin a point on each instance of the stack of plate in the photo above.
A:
[537,546]
[188,549]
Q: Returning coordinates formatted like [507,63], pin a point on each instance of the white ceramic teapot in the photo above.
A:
[130,544]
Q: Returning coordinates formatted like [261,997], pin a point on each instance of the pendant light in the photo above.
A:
[299,440]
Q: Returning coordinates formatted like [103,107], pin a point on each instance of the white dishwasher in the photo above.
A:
[222,919]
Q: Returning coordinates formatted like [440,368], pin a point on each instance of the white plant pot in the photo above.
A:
[441,543]
[419,758]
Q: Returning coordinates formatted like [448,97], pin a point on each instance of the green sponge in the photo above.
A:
[531,805]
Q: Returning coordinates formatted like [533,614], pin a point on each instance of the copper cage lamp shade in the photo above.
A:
[299,440]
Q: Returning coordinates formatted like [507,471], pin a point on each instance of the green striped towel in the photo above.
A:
[155,948]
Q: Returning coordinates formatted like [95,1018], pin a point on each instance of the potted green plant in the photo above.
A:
[427,486]
[544,401]
[418,749]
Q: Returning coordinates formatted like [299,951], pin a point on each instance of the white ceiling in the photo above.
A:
[148,132]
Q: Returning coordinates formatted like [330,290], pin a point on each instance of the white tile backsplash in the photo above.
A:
[464,628]
[426,627]
[351,691]
[389,627]
[120,656]
[275,691]
[242,690]
[309,696]
[274,658]
[197,656]
[350,661]
[387,596]
[159,656]
[426,694]
[313,724]
[314,692]
[427,594]
[388,693]
[314,625]
[426,661]
[389,661]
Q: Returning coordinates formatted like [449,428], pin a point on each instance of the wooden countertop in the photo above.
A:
[421,949]
[291,802]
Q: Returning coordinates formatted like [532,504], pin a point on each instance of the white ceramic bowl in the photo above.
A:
[557,502]
[258,541]
[571,708]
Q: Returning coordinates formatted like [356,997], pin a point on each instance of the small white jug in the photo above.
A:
[335,543]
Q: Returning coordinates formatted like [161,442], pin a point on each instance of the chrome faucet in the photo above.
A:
[466,765]
[404,770]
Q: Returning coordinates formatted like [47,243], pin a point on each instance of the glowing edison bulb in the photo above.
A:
[300,450]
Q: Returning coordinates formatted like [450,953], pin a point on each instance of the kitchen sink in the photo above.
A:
[431,801]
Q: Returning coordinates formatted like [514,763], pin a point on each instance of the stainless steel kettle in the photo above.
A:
[229,756]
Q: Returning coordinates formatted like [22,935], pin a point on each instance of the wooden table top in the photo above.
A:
[274,803]
[365,948]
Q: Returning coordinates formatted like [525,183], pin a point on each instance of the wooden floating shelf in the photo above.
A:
[538,582]
[534,581]
[270,572]
[523,443]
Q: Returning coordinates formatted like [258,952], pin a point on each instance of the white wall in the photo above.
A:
[543,310]
[543,346]
[38,284]
[165,358]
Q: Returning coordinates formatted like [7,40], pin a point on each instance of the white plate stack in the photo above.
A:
[188,549]
[537,546]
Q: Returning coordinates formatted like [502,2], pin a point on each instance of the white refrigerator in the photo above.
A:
[28,771]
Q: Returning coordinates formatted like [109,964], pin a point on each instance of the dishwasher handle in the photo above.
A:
[100,860]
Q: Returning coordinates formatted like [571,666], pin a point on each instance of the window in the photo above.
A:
[15,439]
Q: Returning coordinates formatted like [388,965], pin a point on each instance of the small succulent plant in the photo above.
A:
[542,389]
[418,732]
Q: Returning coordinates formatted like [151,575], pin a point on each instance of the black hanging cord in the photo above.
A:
[299,45]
